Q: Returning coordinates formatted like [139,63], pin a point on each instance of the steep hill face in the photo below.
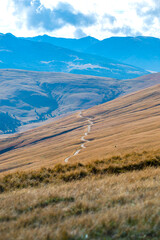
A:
[8,123]
[32,97]
[139,51]
[127,124]
[18,53]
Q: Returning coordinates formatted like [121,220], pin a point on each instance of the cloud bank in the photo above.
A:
[70,18]
[126,30]
[149,13]
[37,16]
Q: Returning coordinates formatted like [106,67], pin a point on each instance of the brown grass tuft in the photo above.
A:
[73,172]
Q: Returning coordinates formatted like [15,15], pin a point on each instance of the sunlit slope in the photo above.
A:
[43,146]
[127,124]
[130,123]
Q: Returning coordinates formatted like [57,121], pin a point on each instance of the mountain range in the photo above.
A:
[45,88]
[79,45]
[140,51]
[19,53]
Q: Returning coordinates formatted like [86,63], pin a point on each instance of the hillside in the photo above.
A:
[37,96]
[127,124]
[18,53]
[139,51]
[32,97]
[100,175]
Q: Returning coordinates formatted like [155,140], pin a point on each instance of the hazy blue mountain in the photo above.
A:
[143,52]
[18,53]
[71,43]
[28,97]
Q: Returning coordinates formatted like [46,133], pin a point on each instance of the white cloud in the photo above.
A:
[124,19]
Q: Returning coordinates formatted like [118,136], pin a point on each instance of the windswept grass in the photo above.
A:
[73,172]
[52,200]
[125,206]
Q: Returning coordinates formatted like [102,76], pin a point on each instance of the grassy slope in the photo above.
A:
[115,197]
[109,207]
[130,123]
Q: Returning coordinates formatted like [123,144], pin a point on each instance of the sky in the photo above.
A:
[79,18]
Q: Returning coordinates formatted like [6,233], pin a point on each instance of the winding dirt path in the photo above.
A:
[83,145]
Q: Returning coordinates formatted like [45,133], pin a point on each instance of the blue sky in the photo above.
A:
[71,18]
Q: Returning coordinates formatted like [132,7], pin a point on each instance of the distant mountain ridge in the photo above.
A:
[18,53]
[139,51]
[71,43]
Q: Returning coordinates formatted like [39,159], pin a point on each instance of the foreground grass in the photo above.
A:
[97,205]
[126,206]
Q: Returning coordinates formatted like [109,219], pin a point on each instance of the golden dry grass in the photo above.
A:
[72,172]
[130,123]
[44,146]
[125,206]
